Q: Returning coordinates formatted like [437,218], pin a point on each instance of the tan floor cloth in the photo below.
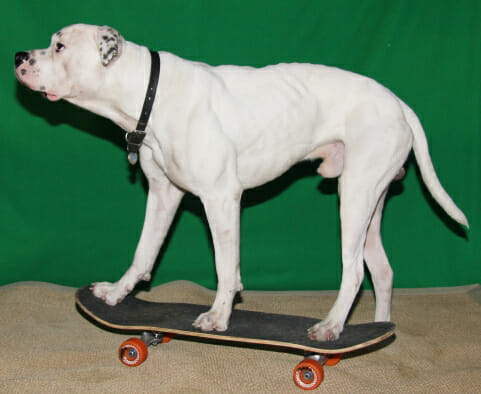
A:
[46,346]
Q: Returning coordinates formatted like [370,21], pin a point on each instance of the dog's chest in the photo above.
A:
[162,155]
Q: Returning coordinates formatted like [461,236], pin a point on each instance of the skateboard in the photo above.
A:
[159,322]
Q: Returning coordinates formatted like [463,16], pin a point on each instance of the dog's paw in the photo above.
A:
[210,321]
[111,293]
[325,331]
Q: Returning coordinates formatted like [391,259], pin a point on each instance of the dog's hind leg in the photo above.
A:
[378,264]
[356,211]
[370,164]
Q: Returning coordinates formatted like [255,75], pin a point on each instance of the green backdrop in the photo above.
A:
[71,209]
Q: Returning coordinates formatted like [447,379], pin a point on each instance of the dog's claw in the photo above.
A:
[110,293]
[209,321]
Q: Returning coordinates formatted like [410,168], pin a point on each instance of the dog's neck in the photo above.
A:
[132,72]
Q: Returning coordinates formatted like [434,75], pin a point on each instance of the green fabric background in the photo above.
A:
[71,209]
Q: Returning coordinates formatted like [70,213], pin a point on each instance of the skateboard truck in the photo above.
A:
[152,338]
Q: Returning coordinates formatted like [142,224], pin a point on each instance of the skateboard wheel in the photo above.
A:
[167,338]
[308,374]
[133,352]
[333,360]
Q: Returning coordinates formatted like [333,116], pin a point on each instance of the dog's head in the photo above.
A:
[74,63]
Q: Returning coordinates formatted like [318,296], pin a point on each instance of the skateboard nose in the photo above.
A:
[20,58]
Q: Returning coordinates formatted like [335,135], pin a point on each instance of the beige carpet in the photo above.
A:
[48,347]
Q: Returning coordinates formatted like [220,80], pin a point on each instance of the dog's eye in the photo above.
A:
[59,47]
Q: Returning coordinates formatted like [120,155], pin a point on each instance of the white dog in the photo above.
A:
[216,131]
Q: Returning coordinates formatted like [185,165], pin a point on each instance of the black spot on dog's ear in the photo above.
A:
[110,44]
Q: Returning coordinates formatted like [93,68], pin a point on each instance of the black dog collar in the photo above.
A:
[134,138]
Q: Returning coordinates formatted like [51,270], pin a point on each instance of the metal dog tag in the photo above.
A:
[133,157]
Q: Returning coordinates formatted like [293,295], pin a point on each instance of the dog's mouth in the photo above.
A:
[50,96]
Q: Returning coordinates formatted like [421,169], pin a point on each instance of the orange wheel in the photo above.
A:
[333,359]
[308,374]
[167,338]
[133,352]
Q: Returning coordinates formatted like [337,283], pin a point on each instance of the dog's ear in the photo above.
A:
[110,44]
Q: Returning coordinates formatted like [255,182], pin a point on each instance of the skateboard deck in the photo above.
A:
[156,319]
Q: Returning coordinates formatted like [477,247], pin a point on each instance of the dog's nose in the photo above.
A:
[21,57]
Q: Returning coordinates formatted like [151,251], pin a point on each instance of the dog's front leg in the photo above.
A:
[162,202]
[223,215]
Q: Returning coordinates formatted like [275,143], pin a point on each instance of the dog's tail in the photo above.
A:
[421,152]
